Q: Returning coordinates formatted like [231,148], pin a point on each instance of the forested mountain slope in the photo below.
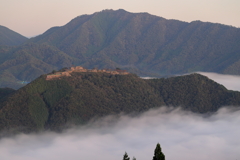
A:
[53,104]
[10,38]
[147,43]
[4,92]
[29,61]
[144,44]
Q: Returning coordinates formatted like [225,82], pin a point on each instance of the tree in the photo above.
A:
[158,155]
[125,156]
[134,158]
[117,69]
[54,71]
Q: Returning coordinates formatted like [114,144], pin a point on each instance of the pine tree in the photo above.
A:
[158,155]
[125,156]
[134,158]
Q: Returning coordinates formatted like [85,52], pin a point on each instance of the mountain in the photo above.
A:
[4,92]
[10,38]
[147,44]
[141,43]
[77,97]
[26,62]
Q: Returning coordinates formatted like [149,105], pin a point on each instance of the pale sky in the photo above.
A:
[33,17]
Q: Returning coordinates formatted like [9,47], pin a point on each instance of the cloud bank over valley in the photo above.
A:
[182,135]
[231,82]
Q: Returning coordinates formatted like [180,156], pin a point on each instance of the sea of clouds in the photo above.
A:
[231,82]
[182,135]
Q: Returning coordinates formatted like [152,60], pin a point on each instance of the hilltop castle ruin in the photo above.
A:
[68,72]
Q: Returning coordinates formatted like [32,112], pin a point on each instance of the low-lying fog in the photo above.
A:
[182,135]
[231,82]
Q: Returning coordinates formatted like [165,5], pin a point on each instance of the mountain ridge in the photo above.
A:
[74,100]
[141,43]
[9,37]
[161,44]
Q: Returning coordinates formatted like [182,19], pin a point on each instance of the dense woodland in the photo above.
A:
[141,43]
[55,104]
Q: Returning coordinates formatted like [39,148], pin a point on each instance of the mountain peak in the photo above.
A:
[112,10]
[141,43]
[10,38]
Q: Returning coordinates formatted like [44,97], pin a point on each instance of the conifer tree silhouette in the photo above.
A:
[125,156]
[158,155]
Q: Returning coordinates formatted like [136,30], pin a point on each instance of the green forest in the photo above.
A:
[77,99]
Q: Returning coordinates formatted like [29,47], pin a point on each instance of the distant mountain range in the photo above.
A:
[76,99]
[10,38]
[138,42]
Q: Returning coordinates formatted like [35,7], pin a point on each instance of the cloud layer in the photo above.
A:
[231,82]
[182,135]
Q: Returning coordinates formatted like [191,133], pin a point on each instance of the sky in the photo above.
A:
[34,17]
[182,135]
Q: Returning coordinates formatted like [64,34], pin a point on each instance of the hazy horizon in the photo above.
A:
[31,18]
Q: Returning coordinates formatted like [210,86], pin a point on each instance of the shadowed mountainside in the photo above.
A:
[141,43]
[29,61]
[4,92]
[148,43]
[76,99]
[10,38]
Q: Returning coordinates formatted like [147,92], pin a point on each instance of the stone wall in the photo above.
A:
[81,69]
